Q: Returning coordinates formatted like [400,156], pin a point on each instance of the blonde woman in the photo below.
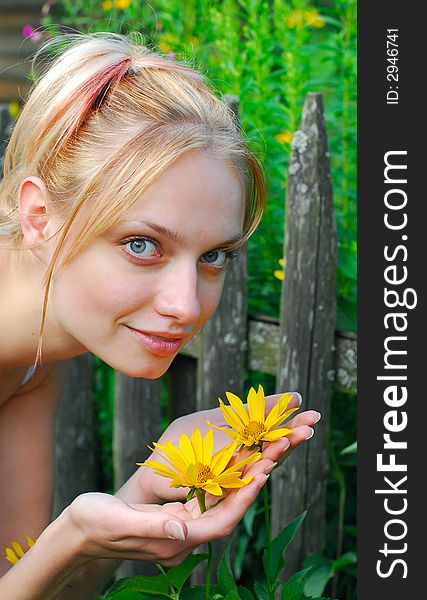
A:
[127,190]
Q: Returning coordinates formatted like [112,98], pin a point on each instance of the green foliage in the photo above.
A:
[169,582]
[279,546]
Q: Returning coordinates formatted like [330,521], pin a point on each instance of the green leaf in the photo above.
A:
[155,586]
[195,592]
[232,595]
[178,575]
[350,558]
[190,494]
[245,593]
[128,595]
[319,575]
[260,590]
[349,449]
[294,587]
[279,546]
[226,581]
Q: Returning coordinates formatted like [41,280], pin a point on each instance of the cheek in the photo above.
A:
[210,297]
[90,289]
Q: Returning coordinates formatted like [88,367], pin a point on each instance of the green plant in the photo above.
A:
[169,583]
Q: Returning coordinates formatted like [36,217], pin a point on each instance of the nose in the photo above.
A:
[178,294]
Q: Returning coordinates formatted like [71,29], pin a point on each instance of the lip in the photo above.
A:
[167,345]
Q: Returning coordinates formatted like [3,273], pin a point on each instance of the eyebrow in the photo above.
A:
[172,234]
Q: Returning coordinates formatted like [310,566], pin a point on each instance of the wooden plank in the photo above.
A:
[182,387]
[307,329]
[136,424]
[263,347]
[75,442]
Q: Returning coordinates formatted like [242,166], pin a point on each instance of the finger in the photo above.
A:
[220,521]
[154,524]
[308,417]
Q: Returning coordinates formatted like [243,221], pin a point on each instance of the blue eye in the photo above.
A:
[216,258]
[141,247]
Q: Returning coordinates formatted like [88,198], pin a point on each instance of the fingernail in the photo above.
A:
[310,435]
[319,416]
[286,443]
[270,468]
[174,530]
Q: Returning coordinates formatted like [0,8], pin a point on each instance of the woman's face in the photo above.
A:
[144,288]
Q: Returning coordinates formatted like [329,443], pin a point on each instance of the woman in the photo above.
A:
[127,190]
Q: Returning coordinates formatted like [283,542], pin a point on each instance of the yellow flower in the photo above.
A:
[192,464]
[166,43]
[313,18]
[295,19]
[16,552]
[280,274]
[284,137]
[254,428]
[14,109]
[120,4]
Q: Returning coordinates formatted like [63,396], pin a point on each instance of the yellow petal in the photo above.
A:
[230,432]
[261,404]
[249,459]
[213,488]
[197,443]
[11,556]
[221,459]
[230,416]
[272,416]
[160,468]
[172,456]
[236,483]
[253,405]
[208,445]
[276,434]
[187,449]
[17,547]
[30,541]
[282,418]
[191,475]
[238,406]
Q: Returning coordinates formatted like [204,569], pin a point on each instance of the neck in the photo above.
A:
[21,307]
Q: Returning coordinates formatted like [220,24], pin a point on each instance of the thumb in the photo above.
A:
[156,524]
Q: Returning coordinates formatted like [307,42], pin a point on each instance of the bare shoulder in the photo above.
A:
[27,421]
[48,379]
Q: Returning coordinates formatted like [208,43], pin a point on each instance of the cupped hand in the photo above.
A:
[108,527]
[155,488]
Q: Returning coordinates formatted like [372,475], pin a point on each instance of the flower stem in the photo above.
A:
[202,504]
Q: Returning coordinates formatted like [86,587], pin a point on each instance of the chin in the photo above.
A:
[147,371]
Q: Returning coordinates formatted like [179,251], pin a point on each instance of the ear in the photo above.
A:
[36,222]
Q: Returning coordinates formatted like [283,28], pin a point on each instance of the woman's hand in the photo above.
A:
[108,527]
[155,488]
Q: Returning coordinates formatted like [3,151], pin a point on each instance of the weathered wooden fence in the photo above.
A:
[302,350]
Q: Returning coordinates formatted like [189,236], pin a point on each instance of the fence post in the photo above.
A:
[136,424]
[75,442]
[223,351]
[307,328]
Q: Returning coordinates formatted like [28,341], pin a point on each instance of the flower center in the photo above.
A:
[253,430]
[204,473]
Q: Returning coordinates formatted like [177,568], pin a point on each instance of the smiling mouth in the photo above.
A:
[157,344]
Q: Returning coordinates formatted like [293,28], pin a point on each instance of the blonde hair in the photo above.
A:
[105,120]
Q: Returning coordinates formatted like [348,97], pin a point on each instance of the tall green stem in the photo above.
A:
[202,504]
